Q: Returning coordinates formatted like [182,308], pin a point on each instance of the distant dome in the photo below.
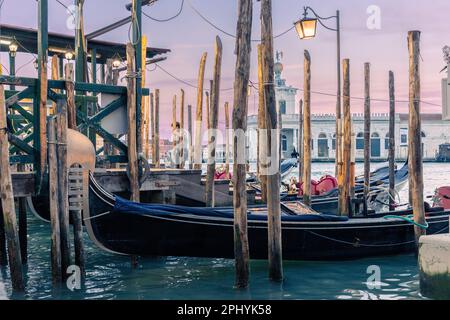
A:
[278,67]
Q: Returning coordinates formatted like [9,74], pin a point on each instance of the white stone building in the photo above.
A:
[435,128]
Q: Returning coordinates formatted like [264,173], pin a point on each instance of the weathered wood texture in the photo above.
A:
[344,192]
[227,140]
[70,93]
[182,135]
[262,125]
[152,126]
[414,134]
[242,74]
[190,146]
[391,140]
[273,179]
[199,115]
[307,130]
[132,137]
[366,129]
[300,141]
[214,122]
[63,198]
[7,200]
[56,263]
[156,142]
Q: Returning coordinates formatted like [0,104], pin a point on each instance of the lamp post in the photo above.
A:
[307,29]
[12,61]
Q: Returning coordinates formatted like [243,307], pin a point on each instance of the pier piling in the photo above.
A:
[214,121]
[190,146]
[344,194]
[8,206]
[156,140]
[199,115]
[262,126]
[300,141]
[132,126]
[307,130]
[54,204]
[240,108]
[182,102]
[272,117]
[367,132]
[227,140]
[391,140]
[414,134]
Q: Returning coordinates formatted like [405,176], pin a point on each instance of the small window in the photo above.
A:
[360,141]
[386,142]
[404,138]
[282,106]
[333,142]
[284,143]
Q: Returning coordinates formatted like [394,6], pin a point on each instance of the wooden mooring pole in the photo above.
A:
[182,155]
[240,108]
[273,179]
[307,130]
[227,140]
[300,141]
[391,141]
[152,126]
[344,194]
[3,256]
[70,94]
[157,159]
[199,115]
[262,126]
[132,126]
[7,200]
[175,147]
[214,121]
[367,132]
[414,134]
[62,181]
[190,146]
[54,204]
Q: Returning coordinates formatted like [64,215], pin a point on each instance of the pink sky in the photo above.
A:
[188,36]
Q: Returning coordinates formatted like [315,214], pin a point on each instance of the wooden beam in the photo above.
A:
[55,251]
[213,124]
[199,115]
[240,109]
[262,126]
[307,130]
[391,141]
[132,125]
[344,194]
[366,130]
[7,200]
[273,180]
[414,135]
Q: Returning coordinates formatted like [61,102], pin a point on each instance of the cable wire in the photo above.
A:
[167,19]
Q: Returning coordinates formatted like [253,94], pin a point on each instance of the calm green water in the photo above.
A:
[112,277]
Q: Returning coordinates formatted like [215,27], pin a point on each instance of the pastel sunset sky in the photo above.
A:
[188,36]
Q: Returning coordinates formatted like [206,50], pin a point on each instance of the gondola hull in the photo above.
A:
[136,229]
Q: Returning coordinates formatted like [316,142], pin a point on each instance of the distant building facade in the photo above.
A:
[435,128]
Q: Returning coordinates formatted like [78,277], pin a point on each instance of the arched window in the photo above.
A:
[284,143]
[375,147]
[360,141]
[322,143]
[282,105]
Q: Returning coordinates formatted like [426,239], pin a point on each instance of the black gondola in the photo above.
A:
[121,226]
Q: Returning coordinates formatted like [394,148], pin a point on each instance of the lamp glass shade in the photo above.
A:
[13,48]
[69,55]
[306,28]
[116,63]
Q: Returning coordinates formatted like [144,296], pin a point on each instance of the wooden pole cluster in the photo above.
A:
[132,126]
[391,140]
[213,124]
[367,130]
[307,130]
[262,126]
[414,134]
[344,194]
[273,180]
[242,73]
[7,203]
[199,115]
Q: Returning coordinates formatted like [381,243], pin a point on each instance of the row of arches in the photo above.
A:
[323,144]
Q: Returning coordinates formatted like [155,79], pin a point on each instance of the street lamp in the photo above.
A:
[116,61]
[307,29]
[69,55]
[13,48]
